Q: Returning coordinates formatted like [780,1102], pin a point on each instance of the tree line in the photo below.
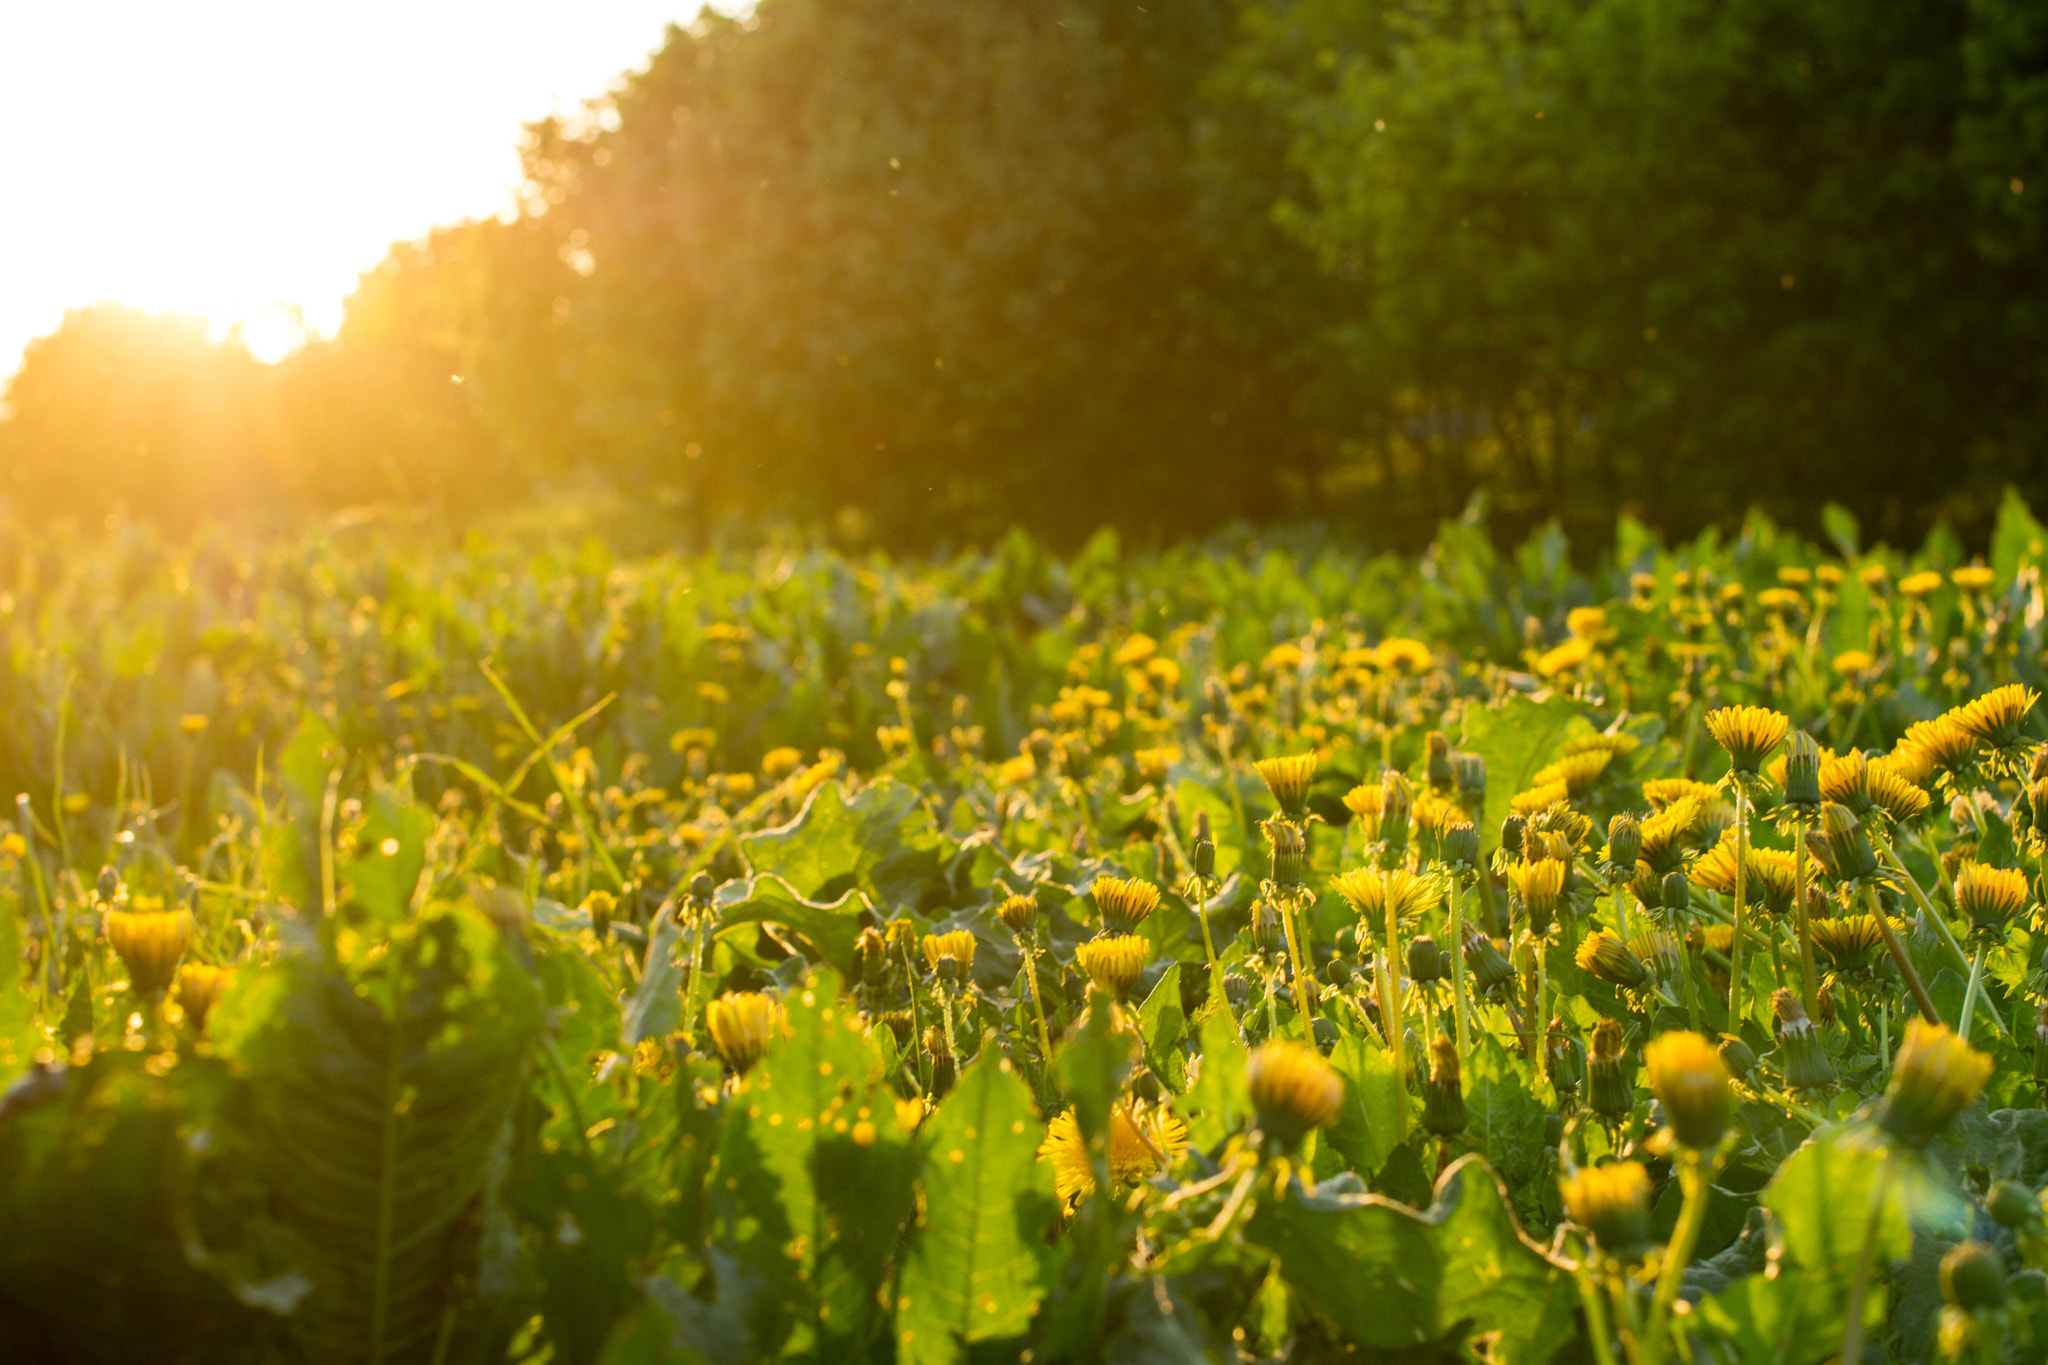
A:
[922,271]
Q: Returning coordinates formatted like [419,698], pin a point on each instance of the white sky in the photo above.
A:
[225,157]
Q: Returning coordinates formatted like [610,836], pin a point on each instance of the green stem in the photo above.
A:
[1859,1288]
[1692,1178]
[1932,916]
[1596,1312]
[1735,963]
[1458,971]
[1397,1037]
[1037,1005]
[1808,993]
[1904,963]
[1304,987]
[1216,987]
[1970,993]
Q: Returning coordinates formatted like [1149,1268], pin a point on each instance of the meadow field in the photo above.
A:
[1258,950]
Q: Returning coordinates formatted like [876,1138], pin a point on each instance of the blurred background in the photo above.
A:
[908,273]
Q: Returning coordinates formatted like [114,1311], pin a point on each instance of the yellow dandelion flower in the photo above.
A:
[150,943]
[1541,886]
[1989,897]
[950,955]
[780,762]
[1538,799]
[1663,792]
[1114,963]
[1139,1145]
[1920,584]
[1612,1202]
[1931,744]
[1288,779]
[1403,656]
[1136,650]
[1972,578]
[199,990]
[1890,790]
[1935,1077]
[1562,658]
[1124,903]
[1748,733]
[1604,955]
[1576,771]
[742,1024]
[1994,719]
[1691,1081]
[1284,657]
[1616,745]
[1854,663]
[1586,623]
[1293,1090]
[1847,941]
[1370,890]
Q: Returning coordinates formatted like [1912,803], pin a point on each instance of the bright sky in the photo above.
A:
[236,158]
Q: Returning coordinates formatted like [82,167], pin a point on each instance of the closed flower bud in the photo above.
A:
[1459,844]
[945,1069]
[1565,1057]
[1935,1077]
[2012,1205]
[1512,830]
[1397,801]
[1489,966]
[902,933]
[1848,847]
[1801,1056]
[1739,1057]
[1973,1276]
[1425,960]
[1441,775]
[1269,931]
[1443,1097]
[1675,894]
[1659,952]
[1603,954]
[149,943]
[1471,771]
[1624,843]
[1290,852]
[742,1025]
[1237,989]
[1205,857]
[1802,772]
[1017,913]
[1610,1075]
[703,889]
[1337,972]
[1688,1079]
[1612,1203]
[873,950]
[1293,1090]
[601,906]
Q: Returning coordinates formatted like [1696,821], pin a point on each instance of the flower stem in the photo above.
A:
[1596,1312]
[1970,994]
[1898,952]
[1735,964]
[1397,1039]
[1808,994]
[1304,988]
[1216,988]
[1458,972]
[1859,1288]
[1037,1004]
[1692,1177]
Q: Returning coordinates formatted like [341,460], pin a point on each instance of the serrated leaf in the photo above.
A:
[832,928]
[1392,1278]
[652,1009]
[1161,1022]
[1821,1199]
[1363,1133]
[1218,1102]
[1515,737]
[883,841]
[977,1265]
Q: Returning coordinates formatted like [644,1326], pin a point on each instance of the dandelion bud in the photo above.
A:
[1802,772]
[1123,904]
[2012,1205]
[1293,1090]
[1511,831]
[1290,852]
[1337,972]
[1611,1076]
[1566,1058]
[1489,966]
[1237,989]
[873,951]
[600,906]
[199,990]
[1441,775]
[1675,893]
[1973,1276]
[1459,844]
[109,886]
[1659,952]
[1443,1098]
[1848,847]
[1624,843]
[702,890]
[1205,854]
[1397,800]
[1114,963]
[1017,913]
[951,956]
[1471,771]
[1288,779]
[1425,960]
[1612,1203]
[1603,954]
[742,1025]
[902,933]
[945,1070]
[150,942]
[1739,1057]
[1269,931]
[1688,1079]
[1801,1057]
[1935,1077]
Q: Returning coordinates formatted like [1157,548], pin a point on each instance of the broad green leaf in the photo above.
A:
[976,1267]
[1505,1120]
[1391,1278]
[379,1090]
[1515,737]
[883,842]
[1795,1317]
[652,1009]
[2018,539]
[1161,1022]
[833,929]
[1363,1133]
[1821,1198]
[814,1173]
